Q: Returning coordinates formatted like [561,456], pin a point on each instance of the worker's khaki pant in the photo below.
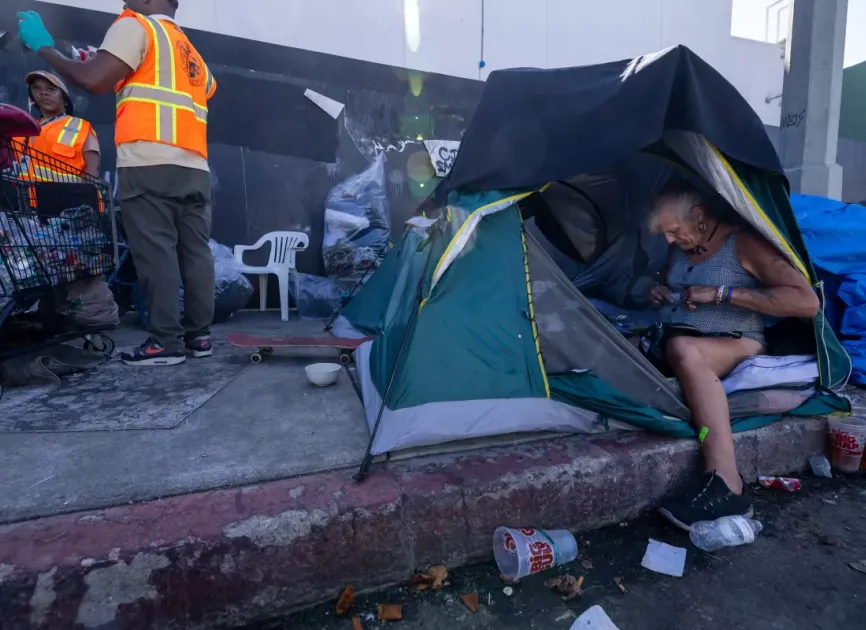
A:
[166,214]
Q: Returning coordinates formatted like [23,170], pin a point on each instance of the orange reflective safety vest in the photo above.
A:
[165,99]
[55,155]
[60,140]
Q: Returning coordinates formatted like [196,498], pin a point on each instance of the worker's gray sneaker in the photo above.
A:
[152,353]
[199,347]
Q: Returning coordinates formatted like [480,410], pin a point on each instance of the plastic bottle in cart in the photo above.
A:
[728,531]
[521,552]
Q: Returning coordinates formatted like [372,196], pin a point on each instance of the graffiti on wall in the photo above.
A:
[793,120]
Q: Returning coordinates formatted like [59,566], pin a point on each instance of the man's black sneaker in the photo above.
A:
[710,500]
[151,353]
[200,347]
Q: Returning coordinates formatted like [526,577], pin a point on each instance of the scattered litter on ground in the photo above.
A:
[525,551]
[664,558]
[356,624]
[801,536]
[820,466]
[434,578]
[346,600]
[788,484]
[727,531]
[624,524]
[508,580]
[619,584]
[470,600]
[389,612]
[594,619]
[824,539]
[508,591]
[829,501]
[860,565]
[489,599]
[587,564]
[566,615]
[568,585]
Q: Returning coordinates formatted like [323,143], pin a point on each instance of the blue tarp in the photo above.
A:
[835,236]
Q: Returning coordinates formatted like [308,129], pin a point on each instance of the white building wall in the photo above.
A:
[446,36]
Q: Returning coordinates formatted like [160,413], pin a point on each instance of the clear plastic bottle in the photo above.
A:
[728,531]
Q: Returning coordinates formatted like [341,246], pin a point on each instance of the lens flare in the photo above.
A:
[412,24]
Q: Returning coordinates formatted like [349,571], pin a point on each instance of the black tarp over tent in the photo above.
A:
[534,126]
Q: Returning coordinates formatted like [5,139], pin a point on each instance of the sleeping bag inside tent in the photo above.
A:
[511,311]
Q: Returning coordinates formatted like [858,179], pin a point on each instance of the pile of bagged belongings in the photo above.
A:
[357,224]
[232,289]
[835,235]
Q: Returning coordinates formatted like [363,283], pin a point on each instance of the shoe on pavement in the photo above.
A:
[707,501]
[152,353]
[200,347]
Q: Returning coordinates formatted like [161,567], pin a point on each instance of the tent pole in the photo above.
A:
[343,305]
[364,471]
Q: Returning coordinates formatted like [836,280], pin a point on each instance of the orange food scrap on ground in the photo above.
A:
[347,599]
[440,574]
[389,612]
[568,585]
[356,624]
[434,578]
[471,601]
[619,584]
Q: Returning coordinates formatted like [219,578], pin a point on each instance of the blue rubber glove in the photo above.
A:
[33,32]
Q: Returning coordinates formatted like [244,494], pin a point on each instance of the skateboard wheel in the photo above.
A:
[256,358]
[345,358]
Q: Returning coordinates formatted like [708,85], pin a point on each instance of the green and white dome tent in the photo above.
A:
[479,332]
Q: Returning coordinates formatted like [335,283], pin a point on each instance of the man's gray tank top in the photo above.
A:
[723,268]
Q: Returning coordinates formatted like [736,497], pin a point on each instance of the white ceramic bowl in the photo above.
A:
[323,374]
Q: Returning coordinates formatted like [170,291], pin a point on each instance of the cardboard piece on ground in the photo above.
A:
[347,599]
[663,558]
[594,619]
[389,612]
[470,600]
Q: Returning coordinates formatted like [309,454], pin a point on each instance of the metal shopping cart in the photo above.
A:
[56,227]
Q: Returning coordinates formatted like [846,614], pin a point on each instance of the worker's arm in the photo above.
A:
[101,72]
[91,163]
[92,159]
[97,75]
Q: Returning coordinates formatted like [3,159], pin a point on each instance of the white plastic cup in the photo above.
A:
[847,440]
[522,552]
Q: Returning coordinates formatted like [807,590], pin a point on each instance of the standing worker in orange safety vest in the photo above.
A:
[162,87]
[63,136]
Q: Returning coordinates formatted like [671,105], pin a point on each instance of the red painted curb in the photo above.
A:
[228,556]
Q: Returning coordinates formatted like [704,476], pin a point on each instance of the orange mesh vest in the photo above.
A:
[61,140]
[165,99]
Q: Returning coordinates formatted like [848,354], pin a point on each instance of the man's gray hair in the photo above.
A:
[679,195]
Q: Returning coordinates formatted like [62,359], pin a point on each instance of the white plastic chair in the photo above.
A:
[284,246]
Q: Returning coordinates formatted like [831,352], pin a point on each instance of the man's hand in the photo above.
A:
[659,294]
[33,32]
[693,296]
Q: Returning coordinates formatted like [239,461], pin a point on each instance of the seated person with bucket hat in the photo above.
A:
[63,136]
[729,279]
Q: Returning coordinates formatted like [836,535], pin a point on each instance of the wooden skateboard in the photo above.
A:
[264,346]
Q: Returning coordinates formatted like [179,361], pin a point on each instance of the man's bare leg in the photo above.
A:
[699,363]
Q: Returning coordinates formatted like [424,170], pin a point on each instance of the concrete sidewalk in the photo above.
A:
[268,423]
[229,556]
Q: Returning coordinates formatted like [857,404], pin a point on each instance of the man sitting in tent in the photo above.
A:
[728,279]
